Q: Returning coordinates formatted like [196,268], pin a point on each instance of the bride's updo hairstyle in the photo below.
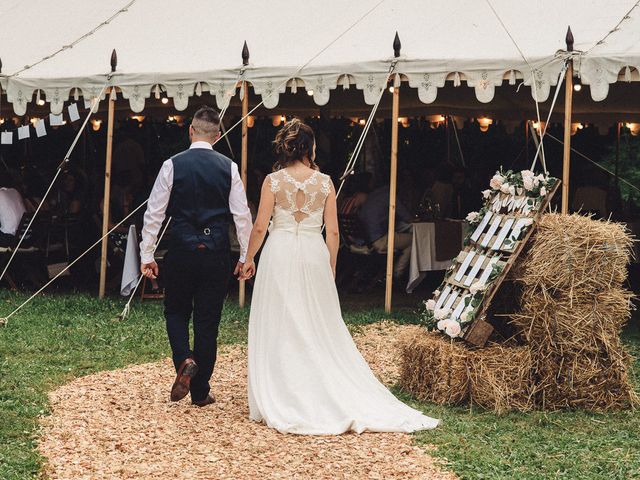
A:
[294,142]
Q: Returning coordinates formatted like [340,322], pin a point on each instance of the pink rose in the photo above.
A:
[442,324]
[431,304]
[496,182]
[453,329]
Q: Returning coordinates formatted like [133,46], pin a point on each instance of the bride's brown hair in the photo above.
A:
[294,142]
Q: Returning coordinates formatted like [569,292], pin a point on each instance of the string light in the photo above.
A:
[34,120]
[251,121]
[634,128]
[391,89]
[310,92]
[95,124]
[484,123]
[362,121]
[164,100]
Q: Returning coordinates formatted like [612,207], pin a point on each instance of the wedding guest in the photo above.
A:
[357,189]
[374,215]
[12,209]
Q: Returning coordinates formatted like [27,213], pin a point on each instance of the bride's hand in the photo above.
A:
[248,270]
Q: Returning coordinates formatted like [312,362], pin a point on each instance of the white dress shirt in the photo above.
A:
[11,210]
[159,199]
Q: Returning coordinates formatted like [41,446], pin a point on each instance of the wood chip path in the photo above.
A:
[121,425]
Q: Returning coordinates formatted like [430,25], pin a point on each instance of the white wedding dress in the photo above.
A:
[306,375]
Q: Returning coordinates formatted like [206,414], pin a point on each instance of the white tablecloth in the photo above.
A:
[423,253]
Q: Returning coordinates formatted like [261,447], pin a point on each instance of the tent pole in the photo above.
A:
[244,153]
[392,181]
[619,126]
[568,103]
[107,196]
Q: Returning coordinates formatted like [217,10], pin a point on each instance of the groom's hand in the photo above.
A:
[238,269]
[149,270]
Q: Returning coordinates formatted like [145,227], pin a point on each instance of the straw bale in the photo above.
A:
[577,254]
[501,378]
[584,380]
[434,368]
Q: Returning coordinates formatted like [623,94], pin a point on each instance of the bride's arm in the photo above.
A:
[267,201]
[331,226]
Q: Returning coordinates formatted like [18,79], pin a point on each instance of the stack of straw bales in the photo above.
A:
[568,352]
[573,308]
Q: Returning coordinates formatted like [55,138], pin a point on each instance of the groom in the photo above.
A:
[201,191]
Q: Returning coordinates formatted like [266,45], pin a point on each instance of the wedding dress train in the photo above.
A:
[306,375]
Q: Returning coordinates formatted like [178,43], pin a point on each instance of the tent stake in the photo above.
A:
[568,102]
[393,180]
[244,152]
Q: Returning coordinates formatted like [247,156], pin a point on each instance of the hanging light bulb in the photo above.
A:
[362,121]
[276,120]
[164,100]
[484,123]
[34,120]
[391,89]
[310,93]
[95,124]
[577,86]
[251,121]
[634,128]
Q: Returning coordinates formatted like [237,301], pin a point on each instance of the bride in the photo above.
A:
[306,375]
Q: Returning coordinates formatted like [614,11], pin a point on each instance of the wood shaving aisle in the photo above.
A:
[121,425]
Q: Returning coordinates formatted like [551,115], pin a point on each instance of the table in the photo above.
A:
[423,252]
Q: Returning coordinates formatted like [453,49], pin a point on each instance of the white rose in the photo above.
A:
[441,313]
[486,193]
[431,304]
[436,293]
[496,182]
[528,183]
[543,191]
[472,217]
[453,328]
[527,174]
[442,324]
[504,188]
[540,178]
[477,287]
[512,190]
[466,316]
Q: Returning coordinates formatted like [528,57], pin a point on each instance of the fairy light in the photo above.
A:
[310,93]
[164,100]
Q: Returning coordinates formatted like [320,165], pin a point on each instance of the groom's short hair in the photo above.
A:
[206,121]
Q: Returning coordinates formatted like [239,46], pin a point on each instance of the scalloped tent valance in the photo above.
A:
[190,47]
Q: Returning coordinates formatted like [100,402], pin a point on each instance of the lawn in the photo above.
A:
[60,337]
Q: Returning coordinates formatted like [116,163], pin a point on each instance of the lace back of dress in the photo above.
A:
[301,199]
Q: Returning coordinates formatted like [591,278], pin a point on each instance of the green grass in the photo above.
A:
[57,338]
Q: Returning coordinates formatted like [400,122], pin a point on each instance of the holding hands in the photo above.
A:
[247,270]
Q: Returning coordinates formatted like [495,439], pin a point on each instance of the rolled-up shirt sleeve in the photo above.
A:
[156,211]
[240,211]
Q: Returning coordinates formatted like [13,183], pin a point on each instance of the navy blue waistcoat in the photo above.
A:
[199,202]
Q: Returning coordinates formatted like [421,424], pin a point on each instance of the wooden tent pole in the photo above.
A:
[568,104]
[244,152]
[393,180]
[106,199]
[107,181]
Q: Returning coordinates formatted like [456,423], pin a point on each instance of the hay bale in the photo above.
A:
[557,321]
[592,382]
[434,368]
[577,254]
[501,378]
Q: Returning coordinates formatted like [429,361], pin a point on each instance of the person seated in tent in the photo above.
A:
[357,188]
[12,209]
[374,215]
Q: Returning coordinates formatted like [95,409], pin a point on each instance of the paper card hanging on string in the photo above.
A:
[6,138]
[74,115]
[41,129]
[23,132]
[55,120]
[87,103]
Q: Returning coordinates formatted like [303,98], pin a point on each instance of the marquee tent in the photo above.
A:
[183,48]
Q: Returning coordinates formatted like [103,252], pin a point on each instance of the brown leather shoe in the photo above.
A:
[186,372]
[207,401]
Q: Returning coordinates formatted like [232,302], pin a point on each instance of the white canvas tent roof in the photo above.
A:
[180,45]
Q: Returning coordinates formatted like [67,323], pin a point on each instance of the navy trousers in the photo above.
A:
[196,284]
